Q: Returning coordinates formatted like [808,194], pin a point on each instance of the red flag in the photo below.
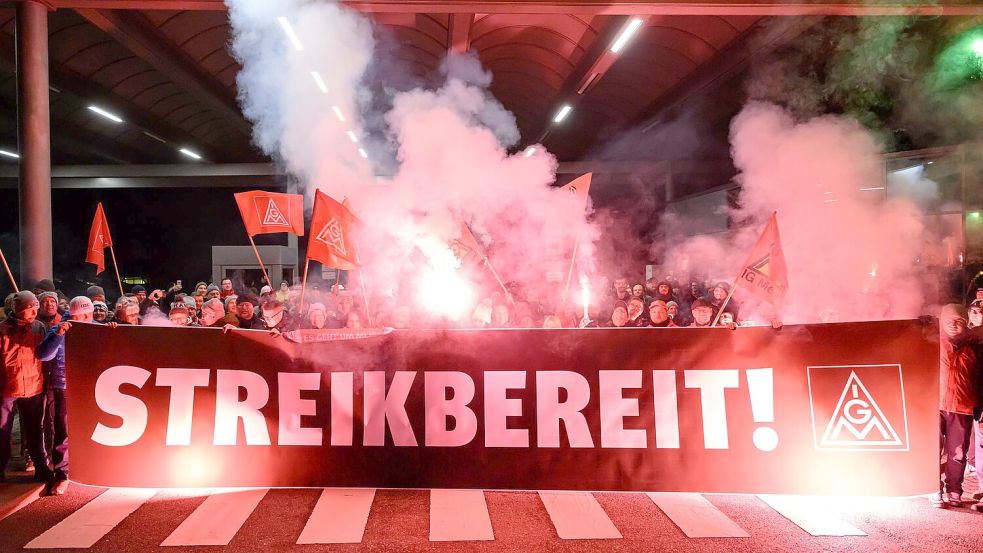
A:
[765,272]
[466,246]
[331,240]
[579,187]
[99,240]
[267,212]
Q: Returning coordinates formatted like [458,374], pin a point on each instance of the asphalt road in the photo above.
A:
[399,520]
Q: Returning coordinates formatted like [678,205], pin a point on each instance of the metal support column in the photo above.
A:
[34,137]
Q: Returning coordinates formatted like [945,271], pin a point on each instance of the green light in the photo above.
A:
[977,47]
[974,214]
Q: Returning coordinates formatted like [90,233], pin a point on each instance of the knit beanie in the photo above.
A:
[100,304]
[233,297]
[80,305]
[25,299]
[265,290]
[137,289]
[95,291]
[48,295]
[212,287]
[317,306]
[215,306]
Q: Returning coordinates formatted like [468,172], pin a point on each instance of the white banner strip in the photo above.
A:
[578,516]
[696,516]
[84,527]
[217,519]
[339,516]
[459,515]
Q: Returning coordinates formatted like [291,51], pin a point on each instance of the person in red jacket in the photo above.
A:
[24,344]
[959,394]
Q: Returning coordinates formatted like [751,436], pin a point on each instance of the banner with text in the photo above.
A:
[844,409]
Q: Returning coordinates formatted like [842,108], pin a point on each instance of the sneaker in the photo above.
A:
[936,500]
[954,498]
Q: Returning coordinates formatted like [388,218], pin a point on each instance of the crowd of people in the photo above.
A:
[33,324]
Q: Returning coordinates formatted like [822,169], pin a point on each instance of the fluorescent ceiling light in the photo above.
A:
[9,154]
[530,151]
[320,83]
[337,111]
[111,116]
[155,137]
[872,188]
[352,136]
[189,153]
[562,114]
[289,31]
[629,31]
[362,152]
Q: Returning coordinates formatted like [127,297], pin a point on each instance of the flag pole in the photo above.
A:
[9,274]
[361,282]
[485,260]
[573,259]
[303,285]
[258,258]
[119,281]
[730,294]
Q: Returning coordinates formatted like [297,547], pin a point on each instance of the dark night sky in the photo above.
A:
[160,234]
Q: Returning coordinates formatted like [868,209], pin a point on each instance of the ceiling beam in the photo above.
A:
[760,38]
[592,66]
[66,81]
[459,33]
[139,36]
[588,7]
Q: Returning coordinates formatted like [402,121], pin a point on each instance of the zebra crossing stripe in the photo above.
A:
[810,516]
[14,497]
[578,516]
[217,519]
[696,516]
[459,515]
[95,519]
[339,516]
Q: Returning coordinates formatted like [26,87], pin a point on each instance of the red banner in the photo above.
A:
[99,240]
[332,226]
[798,410]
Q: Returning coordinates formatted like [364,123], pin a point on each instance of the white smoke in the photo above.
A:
[450,146]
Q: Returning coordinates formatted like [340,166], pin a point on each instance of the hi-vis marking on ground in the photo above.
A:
[858,414]
[273,215]
[341,515]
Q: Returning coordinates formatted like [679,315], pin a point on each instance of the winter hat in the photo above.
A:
[214,305]
[137,289]
[100,305]
[317,306]
[47,295]
[233,297]
[80,305]
[248,298]
[95,291]
[45,284]
[189,302]
[672,304]
[212,287]
[179,308]
[25,299]
[265,290]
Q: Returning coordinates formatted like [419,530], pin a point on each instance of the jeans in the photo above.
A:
[954,430]
[56,430]
[978,450]
[31,411]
